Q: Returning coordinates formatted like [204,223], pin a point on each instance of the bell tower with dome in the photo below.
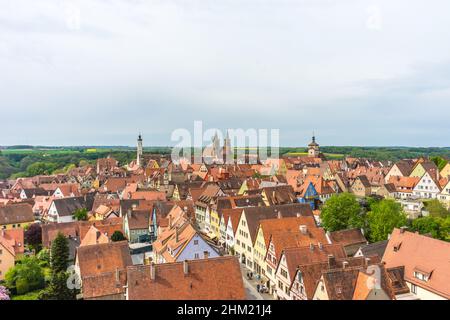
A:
[313,148]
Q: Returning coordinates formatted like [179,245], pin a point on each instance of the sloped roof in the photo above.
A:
[100,258]
[417,252]
[348,237]
[16,213]
[255,214]
[209,279]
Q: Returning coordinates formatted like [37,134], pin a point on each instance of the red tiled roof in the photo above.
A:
[209,279]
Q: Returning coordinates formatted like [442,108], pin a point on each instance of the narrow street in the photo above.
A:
[250,287]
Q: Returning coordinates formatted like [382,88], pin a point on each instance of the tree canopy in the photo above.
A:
[118,236]
[27,275]
[383,217]
[342,211]
[59,257]
[81,214]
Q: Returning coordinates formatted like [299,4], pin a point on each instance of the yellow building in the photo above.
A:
[445,172]
[215,222]
[14,216]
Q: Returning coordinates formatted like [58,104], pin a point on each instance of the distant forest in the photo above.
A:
[25,161]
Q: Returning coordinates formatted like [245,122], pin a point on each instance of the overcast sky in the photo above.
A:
[94,72]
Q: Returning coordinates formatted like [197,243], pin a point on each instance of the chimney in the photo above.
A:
[185,267]
[299,214]
[98,234]
[129,213]
[366,262]
[320,246]
[303,229]
[279,215]
[403,229]
[311,247]
[152,271]
[206,254]
[134,205]
[331,261]
[344,264]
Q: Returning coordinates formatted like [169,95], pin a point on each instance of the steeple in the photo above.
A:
[313,147]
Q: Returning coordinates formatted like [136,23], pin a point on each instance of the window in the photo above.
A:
[196,256]
[196,242]
[284,273]
[414,288]
[280,285]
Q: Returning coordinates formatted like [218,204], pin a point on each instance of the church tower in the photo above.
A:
[313,148]
[140,151]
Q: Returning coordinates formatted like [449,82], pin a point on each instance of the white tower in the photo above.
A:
[140,151]
[313,148]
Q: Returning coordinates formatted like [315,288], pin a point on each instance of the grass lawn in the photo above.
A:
[29,296]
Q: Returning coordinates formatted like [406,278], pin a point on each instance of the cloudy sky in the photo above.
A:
[96,72]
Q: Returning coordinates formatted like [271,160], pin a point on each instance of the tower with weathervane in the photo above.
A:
[313,148]
[140,151]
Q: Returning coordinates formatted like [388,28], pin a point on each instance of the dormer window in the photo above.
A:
[422,275]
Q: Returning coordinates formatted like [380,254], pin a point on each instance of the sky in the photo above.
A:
[98,72]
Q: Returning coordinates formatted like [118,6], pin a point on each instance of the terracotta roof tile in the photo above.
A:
[209,279]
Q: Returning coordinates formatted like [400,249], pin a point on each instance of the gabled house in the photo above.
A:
[16,215]
[207,197]
[427,187]
[425,166]
[63,209]
[249,223]
[229,222]
[425,261]
[444,196]
[136,224]
[182,242]
[274,235]
[355,279]
[402,168]
[361,187]
[67,191]
[291,258]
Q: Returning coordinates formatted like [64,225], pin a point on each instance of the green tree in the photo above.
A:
[436,209]
[59,254]
[27,275]
[342,211]
[440,162]
[383,218]
[118,236]
[58,288]
[437,227]
[81,214]
[39,168]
